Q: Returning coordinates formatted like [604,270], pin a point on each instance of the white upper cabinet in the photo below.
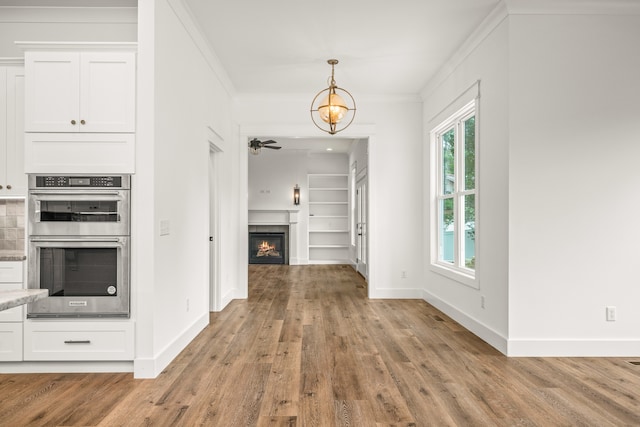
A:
[80,92]
[13,181]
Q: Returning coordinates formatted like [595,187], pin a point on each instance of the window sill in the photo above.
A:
[456,275]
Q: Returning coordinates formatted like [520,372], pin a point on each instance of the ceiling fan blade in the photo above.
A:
[269,141]
[273,148]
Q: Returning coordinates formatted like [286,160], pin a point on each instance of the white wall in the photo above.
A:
[395,175]
[486,60]
[558,117]
[64,24]
[181,98]
[574,179]
[272,176]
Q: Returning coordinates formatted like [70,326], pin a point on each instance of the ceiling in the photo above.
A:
[282,46]
[384,47]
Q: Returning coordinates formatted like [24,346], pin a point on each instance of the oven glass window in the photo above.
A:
[79,271]
[79,211]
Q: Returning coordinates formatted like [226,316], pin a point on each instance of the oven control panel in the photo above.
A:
[94,181]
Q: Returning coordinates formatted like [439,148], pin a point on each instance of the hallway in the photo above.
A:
[309,349]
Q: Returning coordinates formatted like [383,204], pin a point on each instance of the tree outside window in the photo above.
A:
[456,191]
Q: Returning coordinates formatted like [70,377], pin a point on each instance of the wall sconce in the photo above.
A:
[296,195]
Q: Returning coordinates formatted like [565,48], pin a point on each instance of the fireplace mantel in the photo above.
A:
[260,218]
[273,216]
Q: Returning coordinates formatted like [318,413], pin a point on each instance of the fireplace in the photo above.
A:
[266,248]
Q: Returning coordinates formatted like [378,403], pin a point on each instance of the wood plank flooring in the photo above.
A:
[309,349]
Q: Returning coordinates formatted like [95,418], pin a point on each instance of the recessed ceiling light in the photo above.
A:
[329,149]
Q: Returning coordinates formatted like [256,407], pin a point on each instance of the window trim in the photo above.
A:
[453,271]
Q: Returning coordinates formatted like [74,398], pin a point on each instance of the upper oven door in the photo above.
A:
[73,212]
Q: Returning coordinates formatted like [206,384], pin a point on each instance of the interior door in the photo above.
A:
[361,227]
[214,223]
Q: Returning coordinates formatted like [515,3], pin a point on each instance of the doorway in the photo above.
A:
[214,142]
[361,226]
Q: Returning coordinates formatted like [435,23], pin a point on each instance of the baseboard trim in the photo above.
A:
[573,348]
[152,367]
[227,298]
[46,367]
[394,293]
[479,329]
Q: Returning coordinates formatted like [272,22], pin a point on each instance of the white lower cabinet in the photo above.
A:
[11,320]
[55,340]
[10,342]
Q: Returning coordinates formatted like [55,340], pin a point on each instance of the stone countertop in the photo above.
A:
[8,255]
[10,299]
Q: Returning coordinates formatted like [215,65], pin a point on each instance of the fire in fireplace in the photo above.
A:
[266,248]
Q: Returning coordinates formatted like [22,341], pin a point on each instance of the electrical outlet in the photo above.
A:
[481,301]
[165,227]
[611,313]
[403,274]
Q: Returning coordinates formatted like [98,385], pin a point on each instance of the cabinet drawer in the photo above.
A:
[10,271]
[82,340]
[10,342]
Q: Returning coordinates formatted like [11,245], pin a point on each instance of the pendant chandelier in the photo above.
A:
[330,107]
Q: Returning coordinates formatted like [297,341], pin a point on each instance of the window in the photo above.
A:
[455,201]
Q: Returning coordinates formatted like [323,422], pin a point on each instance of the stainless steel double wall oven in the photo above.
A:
[79,231]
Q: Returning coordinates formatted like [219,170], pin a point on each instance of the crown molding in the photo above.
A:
[486,27]
[185,16]
[12,61]
[108,15]
[77,46]
[305,98]
[572,7]
[506,8]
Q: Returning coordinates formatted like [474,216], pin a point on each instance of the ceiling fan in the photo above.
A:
[256,145]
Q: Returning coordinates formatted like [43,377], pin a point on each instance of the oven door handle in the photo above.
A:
[69,193]
[93,239]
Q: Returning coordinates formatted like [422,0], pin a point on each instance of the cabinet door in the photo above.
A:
[107,92]
[16,179]
[52,91]
[3,130]
[11,342]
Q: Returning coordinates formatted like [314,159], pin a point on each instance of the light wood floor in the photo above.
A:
[308,349]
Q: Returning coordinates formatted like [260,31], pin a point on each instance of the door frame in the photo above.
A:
[364,131]
[362,199]
[214,143]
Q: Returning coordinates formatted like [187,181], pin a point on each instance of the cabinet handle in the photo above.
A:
[73,122]
[78,342]
[82,122]
[9,187]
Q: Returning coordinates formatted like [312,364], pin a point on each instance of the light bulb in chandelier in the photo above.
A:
[332,109]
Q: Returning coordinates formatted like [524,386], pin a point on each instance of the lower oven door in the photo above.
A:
[85,277]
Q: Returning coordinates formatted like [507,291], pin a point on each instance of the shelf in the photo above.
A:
[328,203]
[327,189]
[329,213]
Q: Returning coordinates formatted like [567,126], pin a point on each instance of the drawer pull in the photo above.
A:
[78,342]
